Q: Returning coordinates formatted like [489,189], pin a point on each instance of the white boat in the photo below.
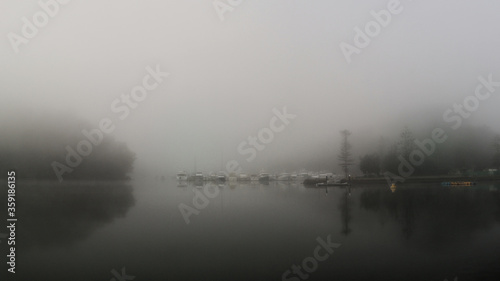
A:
[326,175]
[221,176]
[273,177]
[199,177]
[181,176]
[254,177]
[243,177]
[284,177]
[264,177]
[302,176]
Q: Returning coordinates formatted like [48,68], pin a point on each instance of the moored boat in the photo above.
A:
[181,176]
[264,177]
[221,177]
[284,177]
[199,177]
[243,177]
[254,178]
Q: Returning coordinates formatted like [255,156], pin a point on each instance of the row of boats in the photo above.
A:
[244,177]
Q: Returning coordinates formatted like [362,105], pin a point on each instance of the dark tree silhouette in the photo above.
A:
[390,160]
[370,164]
[33,145]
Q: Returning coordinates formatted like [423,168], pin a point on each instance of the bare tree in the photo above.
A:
[345,155]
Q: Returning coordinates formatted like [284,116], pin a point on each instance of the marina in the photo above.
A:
[302,177]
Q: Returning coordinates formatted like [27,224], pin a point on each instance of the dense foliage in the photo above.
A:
[31,146]
[472,148]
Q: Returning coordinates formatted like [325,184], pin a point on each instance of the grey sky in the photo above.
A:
[227,76]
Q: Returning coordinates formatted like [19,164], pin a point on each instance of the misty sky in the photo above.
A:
[227,76]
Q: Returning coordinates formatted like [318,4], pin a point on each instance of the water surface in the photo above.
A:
[83,231]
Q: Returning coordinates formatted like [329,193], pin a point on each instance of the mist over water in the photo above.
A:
[227,76]
[121,96]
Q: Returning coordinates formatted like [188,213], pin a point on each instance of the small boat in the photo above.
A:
[182,176]
[264,177]
[221,177]
[199,177]
[302,176]
[212,176]
[284,177]
[243,177]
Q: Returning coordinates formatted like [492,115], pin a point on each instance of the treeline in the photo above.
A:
[32,145]
[469,149]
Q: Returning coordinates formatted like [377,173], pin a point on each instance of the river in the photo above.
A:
[279,231]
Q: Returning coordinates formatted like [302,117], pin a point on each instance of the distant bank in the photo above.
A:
[428,179]
[422,179]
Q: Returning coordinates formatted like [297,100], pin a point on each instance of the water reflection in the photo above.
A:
[235,184]
[53,214]
[182,184]
[345,206]
[435,216]
[255,232]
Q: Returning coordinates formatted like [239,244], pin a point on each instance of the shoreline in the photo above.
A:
[423,179]
[428,179]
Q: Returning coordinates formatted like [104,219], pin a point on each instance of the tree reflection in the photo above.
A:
[52,214]
[345,206]
[444,215]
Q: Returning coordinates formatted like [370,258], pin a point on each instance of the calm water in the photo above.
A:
[82,231]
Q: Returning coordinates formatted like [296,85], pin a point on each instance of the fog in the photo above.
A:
[228,78]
